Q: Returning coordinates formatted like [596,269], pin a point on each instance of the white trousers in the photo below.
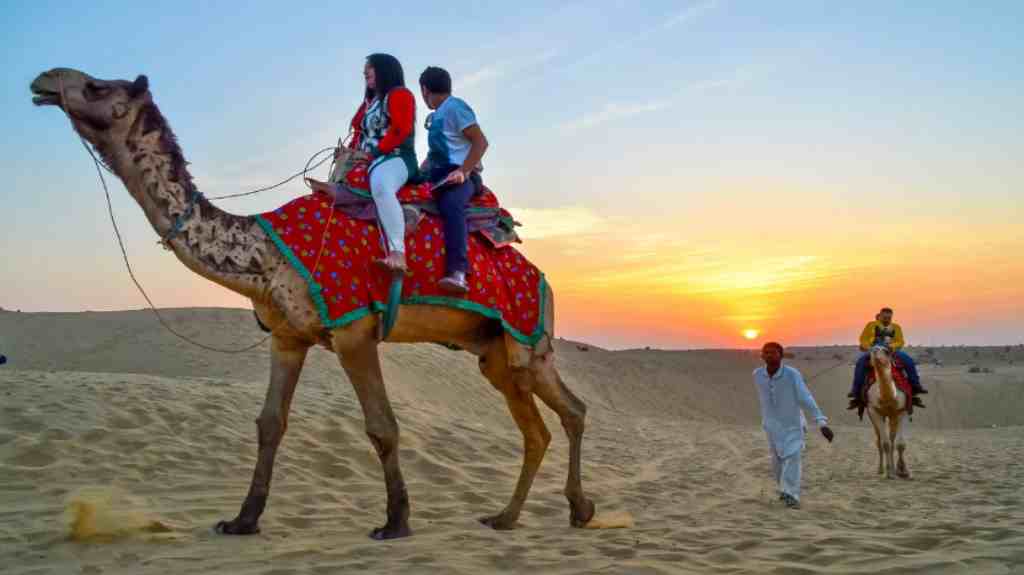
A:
[787,472]
[386,178]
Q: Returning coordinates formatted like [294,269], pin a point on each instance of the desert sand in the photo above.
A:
[121,447]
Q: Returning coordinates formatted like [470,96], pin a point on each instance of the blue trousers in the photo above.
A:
[452,202]
[860,372]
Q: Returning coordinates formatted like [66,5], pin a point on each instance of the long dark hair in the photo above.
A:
[387,72]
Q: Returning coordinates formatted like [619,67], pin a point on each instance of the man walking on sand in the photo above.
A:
[783,395]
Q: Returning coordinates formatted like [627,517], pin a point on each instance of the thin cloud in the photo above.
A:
[690,13]
[612,112]
[496,70]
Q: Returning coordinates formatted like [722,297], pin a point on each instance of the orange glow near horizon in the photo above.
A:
[690,288]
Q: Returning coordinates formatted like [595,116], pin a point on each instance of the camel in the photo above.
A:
[119,119]
[886,407]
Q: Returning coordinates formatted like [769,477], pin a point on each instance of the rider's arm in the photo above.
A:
[897,340]
[477,146]
[867,337]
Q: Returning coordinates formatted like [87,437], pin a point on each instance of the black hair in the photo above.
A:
[885,310]
[388,74]
[774,344]
[437,80]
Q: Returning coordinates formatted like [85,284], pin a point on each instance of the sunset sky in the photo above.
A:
[685,172]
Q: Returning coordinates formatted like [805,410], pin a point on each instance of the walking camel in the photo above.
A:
[126,128]
[887,406]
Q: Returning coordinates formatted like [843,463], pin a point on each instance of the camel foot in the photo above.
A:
[237,527]
[902,472]
[580,516]
[388,532]
[500,522]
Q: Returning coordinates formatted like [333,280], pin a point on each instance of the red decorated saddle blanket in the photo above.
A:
[899,376]
[334,253]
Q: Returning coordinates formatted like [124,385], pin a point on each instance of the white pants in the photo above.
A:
[386,178]
[787,472]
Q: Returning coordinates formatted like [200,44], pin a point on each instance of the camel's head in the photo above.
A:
[100,110]
[881,356]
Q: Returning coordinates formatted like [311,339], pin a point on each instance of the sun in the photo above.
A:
[751,333]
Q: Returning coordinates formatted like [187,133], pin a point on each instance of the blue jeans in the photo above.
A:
[860,372]
[452,202]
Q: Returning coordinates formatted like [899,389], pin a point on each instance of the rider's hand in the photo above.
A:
[456,177]
[827,433]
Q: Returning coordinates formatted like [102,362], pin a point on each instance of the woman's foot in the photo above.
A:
[454,283]
[393,263]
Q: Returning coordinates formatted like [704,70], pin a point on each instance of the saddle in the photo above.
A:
[899,377]
[484,215]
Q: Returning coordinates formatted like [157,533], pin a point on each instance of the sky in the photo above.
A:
[685,171]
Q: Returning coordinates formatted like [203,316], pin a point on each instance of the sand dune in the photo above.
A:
[144,441]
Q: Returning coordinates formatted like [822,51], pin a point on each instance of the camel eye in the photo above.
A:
[95,91]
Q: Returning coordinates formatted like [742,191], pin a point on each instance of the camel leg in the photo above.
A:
[876,424]
[548,385]
[901,445]
[888,437]
[362,365]
[286,359]
[515,386]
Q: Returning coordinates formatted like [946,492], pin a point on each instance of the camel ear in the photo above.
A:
[139,86]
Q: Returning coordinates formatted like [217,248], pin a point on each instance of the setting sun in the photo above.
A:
[751,333]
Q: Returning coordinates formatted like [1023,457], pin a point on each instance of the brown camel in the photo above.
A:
[123,124]
[886,407]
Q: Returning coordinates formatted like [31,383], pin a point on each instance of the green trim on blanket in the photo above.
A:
[315,290]
[313,287]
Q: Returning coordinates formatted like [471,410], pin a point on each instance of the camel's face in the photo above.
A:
[99,109]
[880,356]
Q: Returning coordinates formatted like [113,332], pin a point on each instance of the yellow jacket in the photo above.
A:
[875,329]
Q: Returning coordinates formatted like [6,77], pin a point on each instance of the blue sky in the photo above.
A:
[713,125]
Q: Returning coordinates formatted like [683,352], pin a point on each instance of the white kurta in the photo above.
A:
[784,396]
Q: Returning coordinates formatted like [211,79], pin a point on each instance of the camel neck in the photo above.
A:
[219,246]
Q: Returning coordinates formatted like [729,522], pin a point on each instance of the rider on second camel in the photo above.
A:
[884,332]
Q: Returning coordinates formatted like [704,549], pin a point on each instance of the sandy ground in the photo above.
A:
[120,448]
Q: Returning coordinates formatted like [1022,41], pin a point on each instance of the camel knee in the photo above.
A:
[271,428]
[384,438]
[575,416]
[539,441]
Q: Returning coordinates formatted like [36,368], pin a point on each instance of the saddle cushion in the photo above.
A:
[899,376]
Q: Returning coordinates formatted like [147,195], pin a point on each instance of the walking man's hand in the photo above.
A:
[827,433]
